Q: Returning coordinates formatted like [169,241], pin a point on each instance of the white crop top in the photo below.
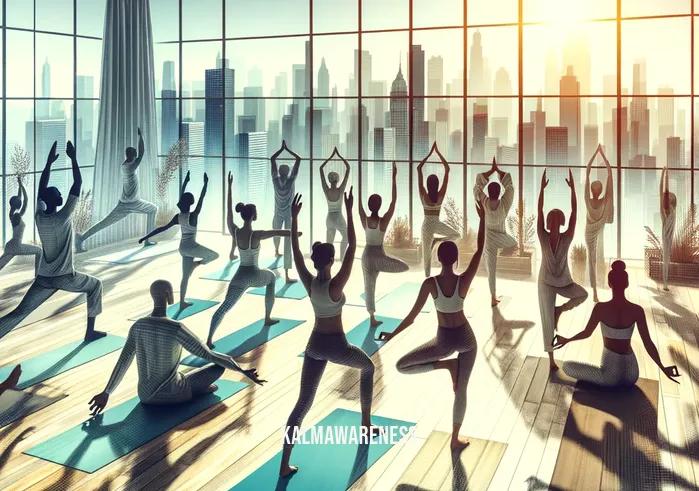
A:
[616,333]
[186,228]
[429,207]
[249,256]
[374,236]
[448,305]
[334,206]
[323,305]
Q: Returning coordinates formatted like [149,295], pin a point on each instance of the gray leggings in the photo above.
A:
[335,222]
[374,261]
[121,211]
[322,348]
[16,248]
[449,340]
[283,221]
[614,369]
[197,382]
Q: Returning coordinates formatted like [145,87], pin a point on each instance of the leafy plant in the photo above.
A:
[685,245]
[525,240]
[176,159]
[20,162]
[578,253]
[399,235]
[82,218]
[454,217]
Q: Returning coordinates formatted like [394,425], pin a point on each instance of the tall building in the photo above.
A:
[43,109]
[500,127]
[675,152]
[399,115]
[538,117]
[219,114]
[442,129]
[193,136]
[323,85]
[552,83]
[366,68]
[570,114]
[279,90]
[251,170]
[480,132]
[420,130]
[47,132]
[666,121]
[435,83]
[639,127]
[169,133]
[456,148]
[557,164]
[503,86]
[476,71]
[85,87]
[254,105]
[491,148]
[591,140]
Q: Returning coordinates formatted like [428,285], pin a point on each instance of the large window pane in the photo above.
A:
[54,15]
[167,70]
[165,19]
[567,12]
[54,66]
[385,14]
[89,68]
[384,63]
[20,13]
[492,50]
[335,65]
[87,120]
[91,17]
[334,16]
[249,18]
[20,65]
[434,13]
[493,12]
[201,19]
[637,8]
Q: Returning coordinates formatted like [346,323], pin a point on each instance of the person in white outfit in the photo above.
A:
[15,246]
[668,208]
[284,180]
[335,222]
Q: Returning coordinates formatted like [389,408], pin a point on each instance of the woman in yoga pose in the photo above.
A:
[668,207]
[374,257]
[454,334]
[249,273]
[618,318]
[327,341]
[335,222]
[189,248]
[15,247]
[432,197]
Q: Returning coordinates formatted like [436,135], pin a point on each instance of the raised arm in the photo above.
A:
[141,150]
[200,203]
[609,192]
[158,230]
[445,179]
[77,177]
[540,214]
[472,269]
[573,204]
[420,175]
[666,191]
[46,173]
[422,296]
[229,205]
[273,160]
[301,269]
[323,180]
[184,184]
[297,161]
[559,341]
[347,173]
[386,219]
[508,196]
[341,278]
[362,214]
[588,170]
[651,349]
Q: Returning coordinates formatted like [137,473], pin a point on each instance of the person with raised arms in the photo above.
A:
[15,247]
[284,180]
[335,222]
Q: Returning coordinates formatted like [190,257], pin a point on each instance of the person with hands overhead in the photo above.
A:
[335,222]
[618,318]
[14,247]
[668,208]
[327,342]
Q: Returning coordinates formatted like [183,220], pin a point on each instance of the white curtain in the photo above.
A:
[127,101]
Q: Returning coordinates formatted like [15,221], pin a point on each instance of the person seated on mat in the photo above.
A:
[15,247]
[327,341]
[283,180]
[618,318]
[335,222]
[129,203]
[56,270]
[12,379]
[454,334]
[156,342]
[190,249]
[374,257]
[249,273]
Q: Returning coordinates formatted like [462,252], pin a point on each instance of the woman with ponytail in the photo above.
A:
[618,318]
[327,341]
[15,247]
[249,273]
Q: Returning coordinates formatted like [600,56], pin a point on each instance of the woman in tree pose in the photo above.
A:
[15,247]
[190,249]
[335,222]
[432,196]
[454,334]
[668,207]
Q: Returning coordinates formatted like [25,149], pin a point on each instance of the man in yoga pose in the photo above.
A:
[56,271]
[554,275]
[668,208]
[129,203]
[12,379]
[335,222]
[284,181]
[156,342]
[496,209]
[15,247]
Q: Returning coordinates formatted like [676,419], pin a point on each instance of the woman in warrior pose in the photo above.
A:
[454,334]
[189,248]
[668,207]
[249,273]
[432,197]
[327,341]
[374,257]
[618,317]
[335,222]
[600,211]
[15,247]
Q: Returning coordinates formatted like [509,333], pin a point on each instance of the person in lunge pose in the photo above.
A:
[374,257]
[554,275]
[432,197]
[284,180]
[618,318]
[56,270]
[249,273]
[190,249]
[130,201]
[335,222]
[668,207]
[454,334]
[600,211]
[156,342]
[496,209]
[327,342]
[15,247]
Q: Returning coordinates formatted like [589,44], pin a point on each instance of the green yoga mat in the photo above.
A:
[399,302]
[227,272]
[295,291]
[364,336]
[196,307]
[246,339]
[326,466]
[137,253]
[57,361]
[122,429]
[16,404]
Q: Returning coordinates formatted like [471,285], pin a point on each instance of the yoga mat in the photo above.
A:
[364,336]
[196,307]
[326,466]
[122,429]
[59,360]
[227,272]
[611,436]
[16,404]
[360,301]
[137,253]
[246,339]
[399,302]
[295,291]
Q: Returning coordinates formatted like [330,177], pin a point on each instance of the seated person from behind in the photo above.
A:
[157,341]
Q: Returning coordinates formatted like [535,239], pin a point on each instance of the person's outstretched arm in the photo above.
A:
[77,177]
[445,179]
[588,170]
[559,341]
[323,180]
[194,216]
[609,192]
[141,150]
[184,184]
[670,371]
[420,176]
[472,269]
[540,214]
[305,275]
[273,161]
[297,162]
[386,219]
[661,191]
[344,274]
[422,296]
[347,173]
[23,190]
[229,205]
[666,193]
[46,173]
[573,204]
[128,352]
[158,230]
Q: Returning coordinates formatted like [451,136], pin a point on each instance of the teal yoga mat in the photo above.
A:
[327,466]
[198,306]
[364,336]
[138,253]
[246,339]
[227,272]
[122,429]
[360,301]
[399,302]
[59,360]
[295,291]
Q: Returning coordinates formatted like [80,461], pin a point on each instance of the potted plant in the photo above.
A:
[684,256]
[82,218]
[454,217]
[400,243]
[523,229]
[578,257]
[176,159]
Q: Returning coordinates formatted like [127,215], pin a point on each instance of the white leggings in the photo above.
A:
[547,305]
[335,222]
[432,226]
[374,261]
[614,369]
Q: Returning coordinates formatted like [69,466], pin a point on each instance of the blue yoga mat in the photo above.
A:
[246,339]
[57,361]
[227,272]
[364,336]
[283,290]
[360,301]
[399,302]
[137,253]
[327,466]
[122,429]
[196,307]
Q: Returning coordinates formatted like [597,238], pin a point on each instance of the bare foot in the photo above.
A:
[459,443]
[94,335]
[13,379]
[374,323]
[291,281]
[552,366]
[270,322]
[494,301]
[291,469]
[185,305]
[276,254]
[210,344]
[211,389]
[232,257]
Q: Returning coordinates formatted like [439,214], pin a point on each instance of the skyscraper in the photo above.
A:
[85,86]
[538,117]
[570,113]
[323,85]
[366,68]
[666,121]
[254,105]
[552,81]
[399,114]
[168,116]
[219,116]
[43,110]
[480,132]
[476,71]
[503,86]
[435,84]
[420,131]
[442,129]
[640,115]
[47,132]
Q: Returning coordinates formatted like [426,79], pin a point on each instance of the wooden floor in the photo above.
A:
[511,398]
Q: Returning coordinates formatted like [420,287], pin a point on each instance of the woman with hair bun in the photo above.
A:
[618,318]
[249,273]
[327,341]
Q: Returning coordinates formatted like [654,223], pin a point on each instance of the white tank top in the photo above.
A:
[615,333]
[323,305]
[448,305]
[335,206]
[429,207]
[249,256]
[188,231]
[374,236]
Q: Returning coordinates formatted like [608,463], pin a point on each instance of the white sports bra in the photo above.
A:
[249,256]
[374,236]
[186,228]
[429,207]
[616,333]
[448,305]
[323,305]
[334,206]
